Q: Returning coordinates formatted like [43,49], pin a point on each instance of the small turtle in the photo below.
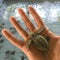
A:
[38,40]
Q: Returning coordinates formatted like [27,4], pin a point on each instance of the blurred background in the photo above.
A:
[49,10]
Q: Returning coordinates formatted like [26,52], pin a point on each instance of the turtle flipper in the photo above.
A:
[40,30]
[28,43]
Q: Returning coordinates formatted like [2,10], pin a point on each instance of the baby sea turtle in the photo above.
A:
[38,40]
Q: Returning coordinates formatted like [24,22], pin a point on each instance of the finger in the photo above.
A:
[9,36]
[37,18]
[25,18]
[19,29]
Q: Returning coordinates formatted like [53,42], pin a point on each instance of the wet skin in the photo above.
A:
[33,53]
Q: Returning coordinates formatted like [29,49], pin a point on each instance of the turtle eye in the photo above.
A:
[48,38]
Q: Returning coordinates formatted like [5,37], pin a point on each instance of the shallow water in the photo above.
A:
[49,12]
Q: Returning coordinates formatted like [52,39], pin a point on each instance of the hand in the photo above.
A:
[33,53]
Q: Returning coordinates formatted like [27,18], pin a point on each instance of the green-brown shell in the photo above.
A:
[38,41]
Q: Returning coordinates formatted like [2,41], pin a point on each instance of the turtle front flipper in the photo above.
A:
[29,43]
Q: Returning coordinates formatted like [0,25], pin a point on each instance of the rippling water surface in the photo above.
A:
[49,12]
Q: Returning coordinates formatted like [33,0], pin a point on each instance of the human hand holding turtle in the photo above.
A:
[53,53]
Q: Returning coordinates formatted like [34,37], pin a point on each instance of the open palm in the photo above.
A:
[33,53]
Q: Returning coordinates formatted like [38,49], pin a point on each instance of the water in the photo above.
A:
[49,12]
